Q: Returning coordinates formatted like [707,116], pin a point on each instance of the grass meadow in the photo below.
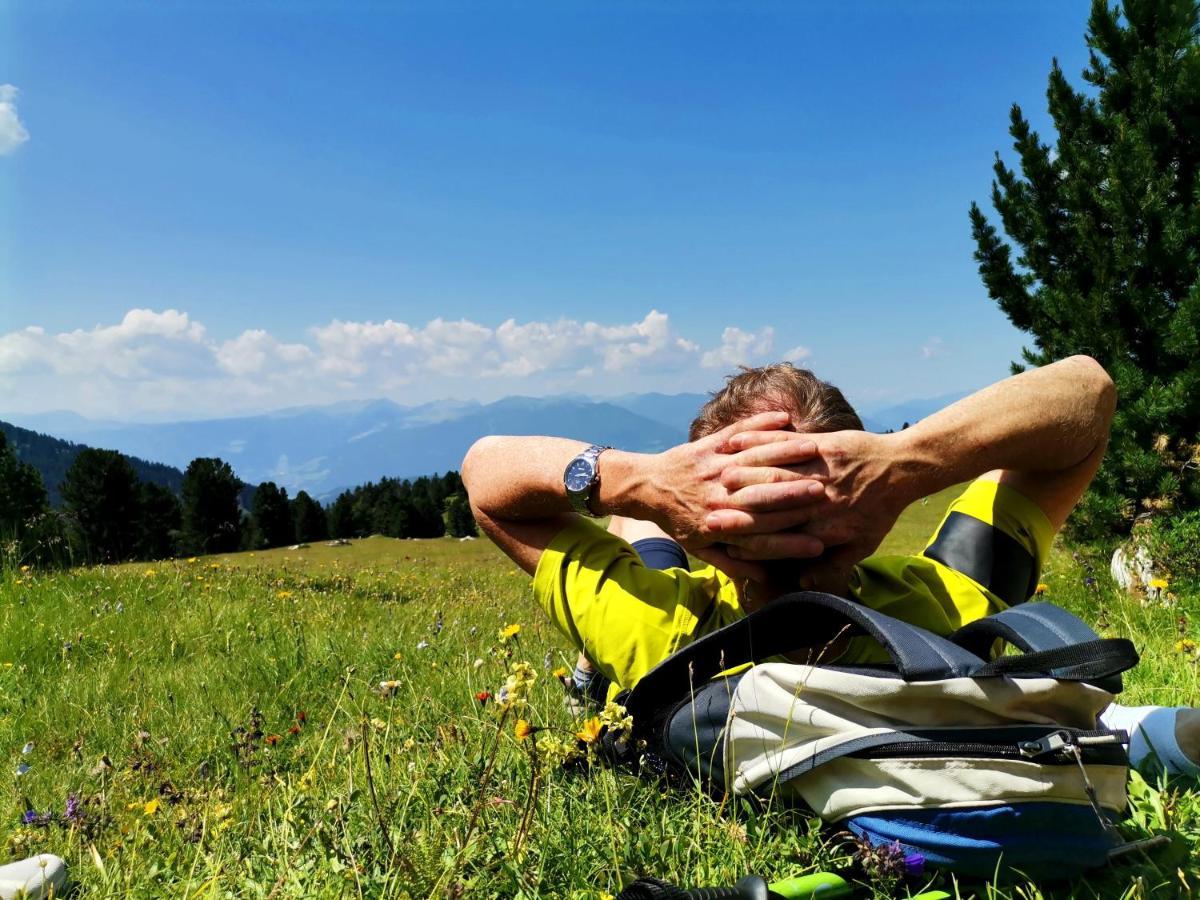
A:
[216,728]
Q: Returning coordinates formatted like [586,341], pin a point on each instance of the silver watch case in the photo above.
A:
[581,477]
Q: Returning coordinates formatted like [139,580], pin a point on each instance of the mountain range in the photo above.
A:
[324,449]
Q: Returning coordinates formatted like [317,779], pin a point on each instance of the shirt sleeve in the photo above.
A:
[997,537]
[625,616]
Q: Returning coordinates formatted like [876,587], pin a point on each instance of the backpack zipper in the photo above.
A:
[1060,744]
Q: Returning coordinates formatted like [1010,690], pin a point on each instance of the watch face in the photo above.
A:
[579,475]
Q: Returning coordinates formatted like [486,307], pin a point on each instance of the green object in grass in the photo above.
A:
[818,886]
[828,886]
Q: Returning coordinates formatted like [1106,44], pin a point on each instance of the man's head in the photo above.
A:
[814,405]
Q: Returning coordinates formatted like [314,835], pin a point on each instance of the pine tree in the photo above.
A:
[212,519]
[271,515]
[100,490]
[308,517]
[342,520]
[159,518]
[1106,225]
[460,521]
[22,493]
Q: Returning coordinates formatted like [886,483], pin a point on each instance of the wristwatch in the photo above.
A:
[582,477]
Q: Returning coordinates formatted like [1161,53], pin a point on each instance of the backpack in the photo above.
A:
[979,763]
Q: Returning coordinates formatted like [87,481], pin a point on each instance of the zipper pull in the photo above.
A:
[1053,742]
[1060,741]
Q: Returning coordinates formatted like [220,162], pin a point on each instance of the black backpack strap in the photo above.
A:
[1035,628]
[1095,662]
[792,622]
[1029,627]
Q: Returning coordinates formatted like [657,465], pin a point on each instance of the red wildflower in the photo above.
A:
[483,696]
[301,717]
[272,740]
[294,729]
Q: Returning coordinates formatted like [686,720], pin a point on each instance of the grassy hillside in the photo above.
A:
[221,726]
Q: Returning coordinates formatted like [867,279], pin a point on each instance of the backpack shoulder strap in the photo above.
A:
[1040,628]
[1029,627]
[802,620]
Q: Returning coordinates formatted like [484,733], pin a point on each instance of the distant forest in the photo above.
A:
[52,457]
[63,503]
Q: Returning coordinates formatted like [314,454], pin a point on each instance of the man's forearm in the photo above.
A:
[1044,420]
[518,498]
[521,478]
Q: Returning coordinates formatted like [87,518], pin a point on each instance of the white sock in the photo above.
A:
[1151,737]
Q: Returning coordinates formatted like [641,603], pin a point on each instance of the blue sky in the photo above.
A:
[289,193]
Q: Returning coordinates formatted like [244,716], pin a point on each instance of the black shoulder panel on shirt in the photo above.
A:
[986,554]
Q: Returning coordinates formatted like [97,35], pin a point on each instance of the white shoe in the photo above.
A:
[35,878]
[1161,738]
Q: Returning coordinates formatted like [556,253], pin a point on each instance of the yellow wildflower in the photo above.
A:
[150,807]
[615,717]
[24,568]
[517,687]
[149,573]
[1041,588]
[522,729]
[1159,584]
[510,631]
[590,732]
[397,656]
[283,595]
[561,672]
[192,559]
[1187,645]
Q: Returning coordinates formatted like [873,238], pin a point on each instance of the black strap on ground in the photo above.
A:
[651,889]
[749,888]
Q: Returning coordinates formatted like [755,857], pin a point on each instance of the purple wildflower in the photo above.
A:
[914,865]
[37,819]
[71,814]
[1089,581]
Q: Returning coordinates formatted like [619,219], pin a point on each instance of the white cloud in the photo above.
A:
[254,350]
[740,348]
[145,344]
[165,364]
[797,354]
[933,347]
[12,132]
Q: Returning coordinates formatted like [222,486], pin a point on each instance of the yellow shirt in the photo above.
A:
[985,555]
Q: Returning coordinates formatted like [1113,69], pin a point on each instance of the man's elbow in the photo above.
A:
[1099,387]
[1099,384]
[474,464]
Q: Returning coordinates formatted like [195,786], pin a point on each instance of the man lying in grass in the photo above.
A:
[779,488]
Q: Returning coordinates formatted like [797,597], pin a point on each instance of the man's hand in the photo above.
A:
[688,482]
[863,495]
